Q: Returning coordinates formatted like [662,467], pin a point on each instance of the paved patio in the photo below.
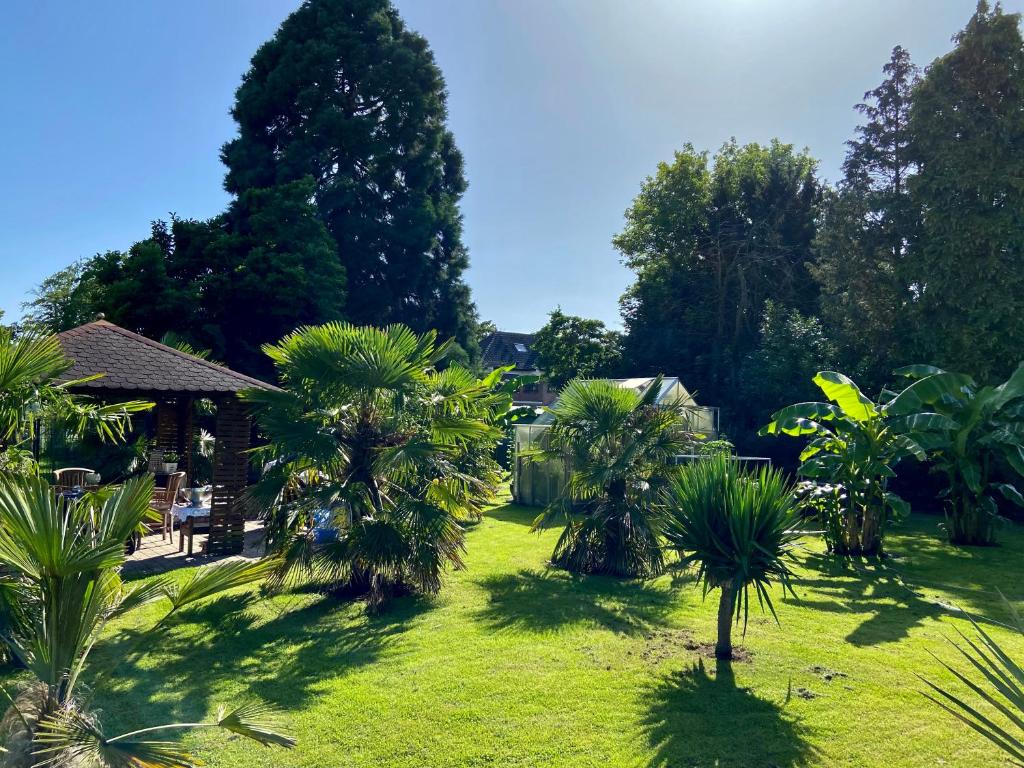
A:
[157,555]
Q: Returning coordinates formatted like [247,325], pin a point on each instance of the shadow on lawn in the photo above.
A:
[220,643]
[895,591]
[513,513]
[698,717]
[543,601]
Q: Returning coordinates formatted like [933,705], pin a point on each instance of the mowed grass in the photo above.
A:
[516,665]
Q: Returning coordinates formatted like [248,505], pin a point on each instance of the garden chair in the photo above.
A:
[67,478]
[164,498]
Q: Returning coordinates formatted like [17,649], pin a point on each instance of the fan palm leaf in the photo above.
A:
[369,449]
[994,707]
[62,562]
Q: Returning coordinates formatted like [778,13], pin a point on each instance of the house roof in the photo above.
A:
[134,363]
[671,386]
[506,348]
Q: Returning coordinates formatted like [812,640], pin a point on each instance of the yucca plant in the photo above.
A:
[739,529]
[374,456]
[619,445]
[993,702]
[61,563]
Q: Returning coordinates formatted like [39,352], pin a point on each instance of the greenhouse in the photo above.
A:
[536,483]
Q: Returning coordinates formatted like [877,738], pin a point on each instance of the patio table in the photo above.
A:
[187,517]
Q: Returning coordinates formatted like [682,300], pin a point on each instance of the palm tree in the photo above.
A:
[619,445]
[30,366]
[739,529]
[374,456]
[62,586]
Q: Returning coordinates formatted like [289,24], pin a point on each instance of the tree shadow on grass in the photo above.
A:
[215,646]
[699,718]
[545,601]
[895,603]
[513,513]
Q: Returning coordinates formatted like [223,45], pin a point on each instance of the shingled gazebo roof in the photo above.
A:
[132,363]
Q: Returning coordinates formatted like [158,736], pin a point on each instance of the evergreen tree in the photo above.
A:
[967,130]
[229,284]
[345,94]
[868,226]
[266,267]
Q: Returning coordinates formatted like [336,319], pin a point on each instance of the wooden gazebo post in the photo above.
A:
[132,366]
[230,477]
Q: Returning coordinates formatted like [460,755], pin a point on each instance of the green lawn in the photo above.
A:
[513,665]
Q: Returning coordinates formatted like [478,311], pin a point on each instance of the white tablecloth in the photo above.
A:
[182,512]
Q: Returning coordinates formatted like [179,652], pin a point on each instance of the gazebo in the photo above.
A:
[134,367]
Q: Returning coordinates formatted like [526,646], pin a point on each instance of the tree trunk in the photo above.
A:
[726,607]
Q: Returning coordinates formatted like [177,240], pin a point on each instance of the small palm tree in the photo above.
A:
[739,529]
[619,445]
[374,456]
[61,587]
[30,390]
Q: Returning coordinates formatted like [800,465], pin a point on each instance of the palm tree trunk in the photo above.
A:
[726,607]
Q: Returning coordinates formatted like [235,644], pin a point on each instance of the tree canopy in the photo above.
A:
[348,96]
[570,347]
[966,127]
[345,185]
[711,240]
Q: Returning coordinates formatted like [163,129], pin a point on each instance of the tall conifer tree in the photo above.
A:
[345,94]
[967,137]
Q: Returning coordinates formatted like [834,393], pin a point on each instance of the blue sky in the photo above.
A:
[115,112]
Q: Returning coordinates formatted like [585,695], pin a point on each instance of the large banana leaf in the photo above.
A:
[929,391]
[843,392]
[918,371]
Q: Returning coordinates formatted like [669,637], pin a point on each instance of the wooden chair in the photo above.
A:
[164,498]
[67,478]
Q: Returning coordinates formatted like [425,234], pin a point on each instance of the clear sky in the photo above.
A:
[114,112]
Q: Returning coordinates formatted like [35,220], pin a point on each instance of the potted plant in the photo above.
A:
[170,462]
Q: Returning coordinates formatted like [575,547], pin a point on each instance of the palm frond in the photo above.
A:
[997,690]
[209,580]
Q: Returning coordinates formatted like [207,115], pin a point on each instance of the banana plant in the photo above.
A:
[975,437]
[855,444]
[61,588]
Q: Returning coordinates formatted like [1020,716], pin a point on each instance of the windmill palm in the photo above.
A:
[739,529]
[369,452]
[619,445]
[30,390]
[61,562]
